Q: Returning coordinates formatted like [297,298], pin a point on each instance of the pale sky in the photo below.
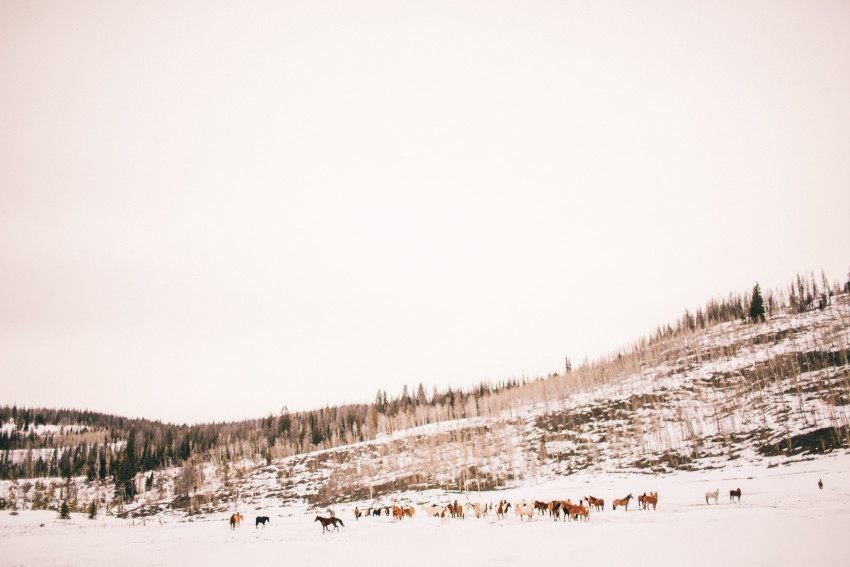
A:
[210,210]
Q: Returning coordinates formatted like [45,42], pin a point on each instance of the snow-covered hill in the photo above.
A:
[756,393]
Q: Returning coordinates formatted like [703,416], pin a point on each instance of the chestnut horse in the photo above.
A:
[651,498]
[581,511]
[329,521]
[735,494]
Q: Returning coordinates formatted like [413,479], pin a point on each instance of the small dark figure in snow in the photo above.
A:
[820,484]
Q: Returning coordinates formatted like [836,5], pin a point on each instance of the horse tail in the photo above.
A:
[340,522]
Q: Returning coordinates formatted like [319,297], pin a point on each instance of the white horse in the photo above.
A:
[474,509]
[524,509]
[433,511]
[714,495]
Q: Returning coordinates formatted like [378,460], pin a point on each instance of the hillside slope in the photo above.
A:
[692,401]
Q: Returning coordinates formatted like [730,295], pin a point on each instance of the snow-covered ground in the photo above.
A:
[783,519]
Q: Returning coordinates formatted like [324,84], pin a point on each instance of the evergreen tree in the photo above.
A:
[757,305]
[125,485]
[285,422]
[64,513]
[93,510]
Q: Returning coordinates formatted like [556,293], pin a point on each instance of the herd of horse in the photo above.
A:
[556,509]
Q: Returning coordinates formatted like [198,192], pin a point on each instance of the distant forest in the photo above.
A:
[108,445]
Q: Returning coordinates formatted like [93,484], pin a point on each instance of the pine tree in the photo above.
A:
[93,510]
[757,305]
[64,513]
[125,486]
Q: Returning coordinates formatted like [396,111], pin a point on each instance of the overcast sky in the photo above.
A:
[210,210]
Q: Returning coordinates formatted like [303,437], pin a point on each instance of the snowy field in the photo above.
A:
[783,519]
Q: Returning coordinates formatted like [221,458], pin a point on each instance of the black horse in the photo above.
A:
[261,520]
[329,521]
[735,494]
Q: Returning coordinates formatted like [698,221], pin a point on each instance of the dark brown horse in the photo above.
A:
[261,520]
[735,494]
[328,522]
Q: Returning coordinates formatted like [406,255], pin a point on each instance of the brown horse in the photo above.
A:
[567,507]
[651,498]
[456,510]
[502,510]
[329,521]
[735,494]
[564,506]
[573,511]
[597,503]
[398,513]
[623,502]
[235,521]
[581,511]
[409,511]
[542,507]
